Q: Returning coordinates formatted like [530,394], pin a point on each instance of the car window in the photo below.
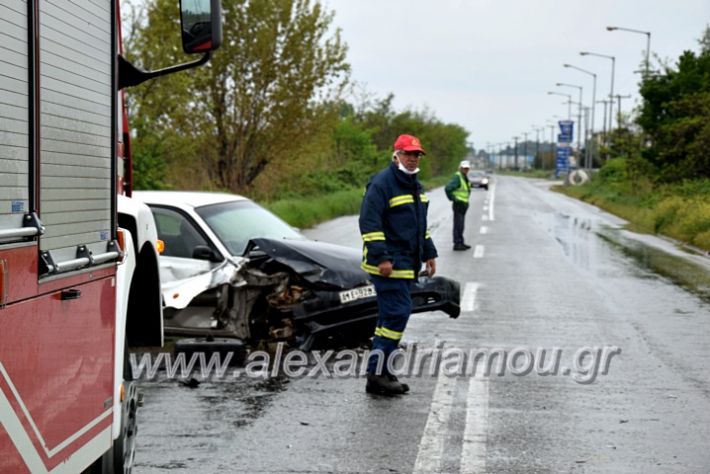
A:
[177,232]
[237,222]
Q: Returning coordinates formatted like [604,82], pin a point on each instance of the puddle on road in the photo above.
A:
[679,270]
[573,235]
[580,241]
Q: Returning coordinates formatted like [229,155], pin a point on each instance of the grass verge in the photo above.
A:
[308,211]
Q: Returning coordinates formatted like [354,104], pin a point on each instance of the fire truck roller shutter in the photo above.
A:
[75,127]
[14,114]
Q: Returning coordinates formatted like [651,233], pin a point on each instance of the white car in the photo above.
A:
[231,268]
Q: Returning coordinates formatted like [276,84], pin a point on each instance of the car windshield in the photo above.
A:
[237,222]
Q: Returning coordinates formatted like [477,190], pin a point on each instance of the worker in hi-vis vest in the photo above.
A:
[458,191]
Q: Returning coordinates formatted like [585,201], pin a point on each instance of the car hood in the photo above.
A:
[321,264]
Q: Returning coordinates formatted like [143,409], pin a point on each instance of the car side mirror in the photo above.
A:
[201,22]
[203,252]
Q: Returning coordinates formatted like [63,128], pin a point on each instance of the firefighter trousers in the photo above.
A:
[394,304]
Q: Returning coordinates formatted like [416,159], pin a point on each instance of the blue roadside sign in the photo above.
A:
[562,162]
[566,131]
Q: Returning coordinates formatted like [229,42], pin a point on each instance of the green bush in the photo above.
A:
[666,213]
[613,171]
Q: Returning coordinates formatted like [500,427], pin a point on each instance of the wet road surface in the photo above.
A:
[545,272]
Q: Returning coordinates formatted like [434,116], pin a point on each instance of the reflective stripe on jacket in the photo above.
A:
[393,224]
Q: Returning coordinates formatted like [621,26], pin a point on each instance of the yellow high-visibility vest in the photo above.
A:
[463,191]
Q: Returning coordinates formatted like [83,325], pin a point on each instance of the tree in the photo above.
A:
[676,116]
[261,97]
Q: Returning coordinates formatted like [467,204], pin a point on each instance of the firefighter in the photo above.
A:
[393,224]
[458,191]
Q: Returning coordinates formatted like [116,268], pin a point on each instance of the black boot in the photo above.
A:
[461,247]
[405,387]
[383,385]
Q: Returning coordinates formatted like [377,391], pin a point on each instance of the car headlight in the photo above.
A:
[484,180]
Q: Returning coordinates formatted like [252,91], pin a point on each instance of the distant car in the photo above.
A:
[479,179]
[231,268]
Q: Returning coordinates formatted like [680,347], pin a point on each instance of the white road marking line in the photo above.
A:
[468,301]
[484,218]
[431,446]
[473,452]
[491,216]
[484,230]
[478,251]
[485,208]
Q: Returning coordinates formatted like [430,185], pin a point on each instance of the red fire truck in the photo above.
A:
[79,278]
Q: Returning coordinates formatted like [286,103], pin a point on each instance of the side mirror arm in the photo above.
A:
[130,75]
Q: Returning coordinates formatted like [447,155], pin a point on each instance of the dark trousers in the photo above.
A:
[394,304]
[459,219]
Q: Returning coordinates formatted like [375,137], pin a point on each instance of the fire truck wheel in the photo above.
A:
[124,448]
[119,459]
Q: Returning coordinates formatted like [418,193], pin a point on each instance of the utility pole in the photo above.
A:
[618,108]
[515,139]
[525,148]
[553,147]
[605,137]
[537,145]
[588,140]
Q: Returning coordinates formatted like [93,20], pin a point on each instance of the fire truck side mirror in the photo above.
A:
[201,22]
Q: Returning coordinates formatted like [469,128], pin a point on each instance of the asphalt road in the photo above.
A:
[545,272]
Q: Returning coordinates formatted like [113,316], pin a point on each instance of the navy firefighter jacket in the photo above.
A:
[393,224]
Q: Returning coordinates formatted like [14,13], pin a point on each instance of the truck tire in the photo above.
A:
[119,458]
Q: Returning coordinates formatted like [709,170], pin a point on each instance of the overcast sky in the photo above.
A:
[488,64]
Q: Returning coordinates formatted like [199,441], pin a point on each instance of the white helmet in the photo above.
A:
[465,164]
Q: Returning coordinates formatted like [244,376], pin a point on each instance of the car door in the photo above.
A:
[180,265]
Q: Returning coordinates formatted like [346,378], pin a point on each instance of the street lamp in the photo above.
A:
[641,32]
[579,110]
[611,91]
[594,100]
[569,102]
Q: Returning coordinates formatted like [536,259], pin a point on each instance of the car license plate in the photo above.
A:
[357,294]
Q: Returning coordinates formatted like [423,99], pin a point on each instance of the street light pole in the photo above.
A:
[611,90]
[579,112]
[569,102]
[641,32]
[516,152]
[594,99]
